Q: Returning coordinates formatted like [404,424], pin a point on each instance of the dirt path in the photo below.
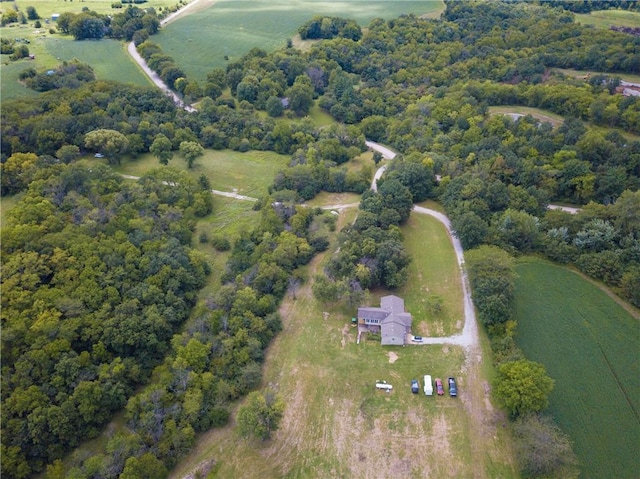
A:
[228,194]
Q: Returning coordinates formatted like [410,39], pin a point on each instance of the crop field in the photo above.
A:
[589,344]
[435,267]
[606,18]
[249,173]
[337,424]
[231,28]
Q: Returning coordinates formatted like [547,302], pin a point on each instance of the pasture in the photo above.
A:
[589,344]
[606,18]
[337,424]
[231,27]
[249,173]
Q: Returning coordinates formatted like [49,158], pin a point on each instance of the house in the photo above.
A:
[390,320]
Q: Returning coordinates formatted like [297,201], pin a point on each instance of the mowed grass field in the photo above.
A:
[434,275]
[231,28]
[606,18]
[336,424]
[248,174]
[591,346]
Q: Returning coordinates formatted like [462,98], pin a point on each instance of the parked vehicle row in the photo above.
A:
[428,386]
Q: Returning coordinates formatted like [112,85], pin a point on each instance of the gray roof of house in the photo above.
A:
[373,313]
[392,303]
[392,333]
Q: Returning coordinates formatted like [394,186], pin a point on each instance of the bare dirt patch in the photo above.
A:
[393,357]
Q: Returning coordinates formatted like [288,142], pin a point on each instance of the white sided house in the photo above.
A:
[390,320]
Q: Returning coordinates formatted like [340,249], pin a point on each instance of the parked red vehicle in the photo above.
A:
[439,388]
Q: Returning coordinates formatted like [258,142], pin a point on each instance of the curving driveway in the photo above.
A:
[468,338]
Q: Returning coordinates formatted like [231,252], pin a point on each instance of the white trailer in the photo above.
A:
[428,386]
[384,385]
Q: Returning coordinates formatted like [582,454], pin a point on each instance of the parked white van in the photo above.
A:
[428,386]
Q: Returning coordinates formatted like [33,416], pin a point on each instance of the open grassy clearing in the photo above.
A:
[337,424]
[589,345]
[606,18]
[537,113]
[248,173]
[434,277]
[583,74]
[554,119]
[233,27]
[108,58]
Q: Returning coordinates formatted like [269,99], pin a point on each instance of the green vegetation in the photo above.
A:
[231,28]
[607,18]
[589,346]
[537,113]
[108,58]
[410,83]
[248,174]
[435,298]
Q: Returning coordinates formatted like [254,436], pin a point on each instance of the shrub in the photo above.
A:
[221,244]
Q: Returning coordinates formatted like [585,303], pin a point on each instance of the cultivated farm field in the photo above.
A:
[231,28]
[589,344]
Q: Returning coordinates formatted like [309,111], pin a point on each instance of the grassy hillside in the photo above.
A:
[589,345]
[200,41]
[606,18]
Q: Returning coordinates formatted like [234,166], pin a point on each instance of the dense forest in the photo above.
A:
[99,276]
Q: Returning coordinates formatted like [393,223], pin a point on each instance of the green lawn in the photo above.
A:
[606,18]
[434,274]
[200,41]
[590,345]
[249,173]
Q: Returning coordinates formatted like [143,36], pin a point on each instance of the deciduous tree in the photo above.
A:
[260,415]
[523,387]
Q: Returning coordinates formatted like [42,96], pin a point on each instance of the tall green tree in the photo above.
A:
[161,149]
[111,143]
[191,150]
[261,414]
[523,387]
[301,95]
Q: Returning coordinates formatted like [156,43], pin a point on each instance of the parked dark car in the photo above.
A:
[453,390]
[415,386]
[439,388]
